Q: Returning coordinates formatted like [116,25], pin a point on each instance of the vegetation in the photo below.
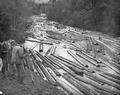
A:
[95,15]
[12,18]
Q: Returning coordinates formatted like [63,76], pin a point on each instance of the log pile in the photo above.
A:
[83,77]
[96,66]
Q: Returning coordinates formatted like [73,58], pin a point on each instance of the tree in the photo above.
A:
[13,13]
[95,15]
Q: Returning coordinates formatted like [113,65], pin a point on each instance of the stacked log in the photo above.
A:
[76,78]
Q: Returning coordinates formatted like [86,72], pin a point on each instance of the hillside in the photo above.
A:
[96,15]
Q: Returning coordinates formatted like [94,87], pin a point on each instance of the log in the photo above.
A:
[94,42]
[40,72]
[67,62]
[48,51]
[53,66]
[108,49]
[44,70]
[40,47]
[105,61]
[76,64]
[116,65]
[112,75]
[77,59]
[53,50]
[89,57]
[38,69]
[96,85]
[43,42]
[77,92]
[49,63]
[62,66]
[75,46]
[77,71]
[101,79]
[65,84]
[81,88]
[88,89]
[91,61]
[49,77]
[101,92]
[92,83]
[110,78]
[53,41]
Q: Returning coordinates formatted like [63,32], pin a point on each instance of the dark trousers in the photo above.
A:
[5,66]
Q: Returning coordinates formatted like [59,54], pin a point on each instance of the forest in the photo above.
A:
[95,15]
[13,14]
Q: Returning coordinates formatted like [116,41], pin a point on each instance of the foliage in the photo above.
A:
[95,15]
[12,15]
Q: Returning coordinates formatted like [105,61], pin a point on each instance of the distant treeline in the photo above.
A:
[13,14]
[95,15]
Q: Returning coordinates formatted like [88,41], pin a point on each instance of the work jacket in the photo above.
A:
[3,50]
[17,55]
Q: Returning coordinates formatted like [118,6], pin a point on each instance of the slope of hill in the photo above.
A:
[96,15]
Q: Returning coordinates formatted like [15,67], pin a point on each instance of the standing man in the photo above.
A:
[4,51]
[17,59]
[1,63]
[12,43]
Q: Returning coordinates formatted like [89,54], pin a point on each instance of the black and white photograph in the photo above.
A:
[59,47]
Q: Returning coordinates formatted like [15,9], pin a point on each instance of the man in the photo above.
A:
[12,43]
[4,51]
[1,64]
[17,59]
